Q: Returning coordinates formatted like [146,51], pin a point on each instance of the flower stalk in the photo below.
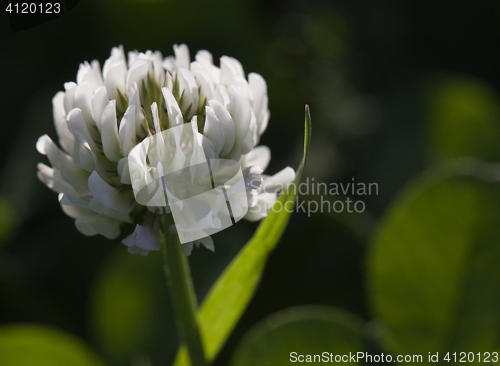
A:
[182,294]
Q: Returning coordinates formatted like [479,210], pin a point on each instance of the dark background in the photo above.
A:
[371,71]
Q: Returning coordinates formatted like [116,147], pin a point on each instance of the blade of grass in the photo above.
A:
[231,293]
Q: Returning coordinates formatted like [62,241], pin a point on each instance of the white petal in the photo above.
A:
[109,196]
[213,130]
[89,74]
[99,102]
[278,181]
[143,239]
[70,199]
[226,121]
[158,200]
[107,227]
[169,63]
[135,163]
[96,68]
[83,101]
[260,100]
[77,212]
[137,73]
[66,138]
[127,131]
[84,225]
[140,121]
[132,57]
[187,248]
[69,95]
[216,74]
[242,84]
[147,238]
[252,136]
[229,68]
[117,55]
[253,178]
[83,156]
[265,202]
[109,133]
[98,207]
[259,156]
[115,75]
[132,249]
[91,223]
[221,96]
[71,173]
[159,72]
[242,114]
[182,58]
[156,118]
[188,89]
[208,243]
[205,59]
[105,168]
[51,179]
[149,58]
[174,112]
[206,86]
[79,128]
[252,197]
[169,83]
[123,170]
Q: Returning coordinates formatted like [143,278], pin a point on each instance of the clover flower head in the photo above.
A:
[103,116]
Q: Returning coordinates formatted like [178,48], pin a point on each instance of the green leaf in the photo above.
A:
[433,269]
[130,313]
[28,345]
[463,118]
[231,293]
[312,330]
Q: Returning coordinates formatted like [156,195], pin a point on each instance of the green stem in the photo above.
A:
[182,293]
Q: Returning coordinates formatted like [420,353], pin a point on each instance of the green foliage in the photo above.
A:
[28,345]
[230,295]
[433,268]
[463,119]
[308,330]
[129,305]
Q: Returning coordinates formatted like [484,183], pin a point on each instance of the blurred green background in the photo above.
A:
[399,90]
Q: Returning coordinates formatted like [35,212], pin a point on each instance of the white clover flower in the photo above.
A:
[103,116]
